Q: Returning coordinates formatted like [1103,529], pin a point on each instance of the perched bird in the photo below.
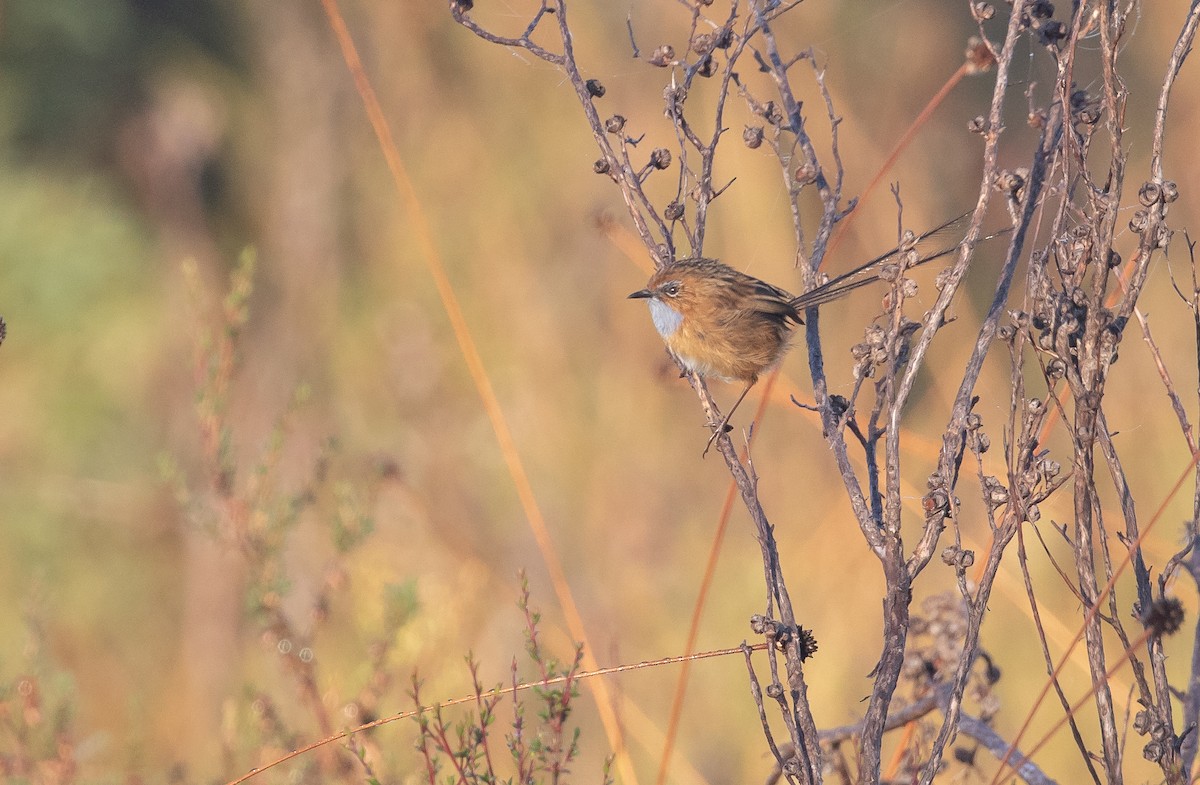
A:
[725,324]
[720,322]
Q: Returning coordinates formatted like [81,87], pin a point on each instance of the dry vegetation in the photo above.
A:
[953,547]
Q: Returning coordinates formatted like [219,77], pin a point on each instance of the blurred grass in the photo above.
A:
[97,367]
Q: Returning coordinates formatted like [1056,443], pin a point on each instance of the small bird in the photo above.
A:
[720,322]
[725,324]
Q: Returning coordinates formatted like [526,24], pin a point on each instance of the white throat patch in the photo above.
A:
[666,319]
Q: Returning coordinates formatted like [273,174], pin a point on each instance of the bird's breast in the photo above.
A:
[666,319]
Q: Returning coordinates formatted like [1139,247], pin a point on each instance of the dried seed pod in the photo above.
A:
[673,211]
[979,55]
[663,56]
[1010,181]
[1150,194]
[753,136]
[977,125]
[660,158]
[601,166]
[1139,221]
[806,174]
[674,96]
[595,88]
[615,124]
[1051,33]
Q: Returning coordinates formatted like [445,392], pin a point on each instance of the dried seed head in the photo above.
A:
[771,113]
[459,7]
[703,43]
[663,56]
[954,556]
[615,124]
[1150,194]
[673,211]
[595,88]
[1050,33]
[1010,181]
[935,502]
[1170,191]
[979,54]
[1139,221]
[660,158]
[983,11]
[723,38]
[910,287]
[977,125]
[674,96]
[601,166]
[753,136]
[1164,616]
[806,644]
[708,66]
[806,174]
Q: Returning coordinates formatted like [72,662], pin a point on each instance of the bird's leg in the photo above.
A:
[724,426]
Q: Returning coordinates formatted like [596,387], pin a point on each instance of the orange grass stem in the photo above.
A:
[499,691]
[894,155]
[1079,704]
[1158,514]
[483,384]
[706,582]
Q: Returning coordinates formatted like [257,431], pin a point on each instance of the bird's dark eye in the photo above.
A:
[671,289]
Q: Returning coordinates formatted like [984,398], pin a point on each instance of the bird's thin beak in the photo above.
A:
[641,294]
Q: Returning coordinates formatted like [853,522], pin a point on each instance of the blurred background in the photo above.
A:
[143,139]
